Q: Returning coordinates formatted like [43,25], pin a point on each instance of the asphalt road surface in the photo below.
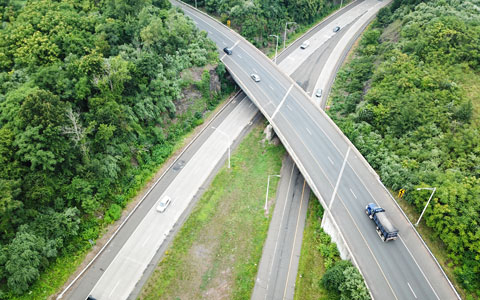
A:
[278,267]
[336,172]
[85,283]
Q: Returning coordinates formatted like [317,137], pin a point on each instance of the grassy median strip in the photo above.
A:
[216,252]
[311,266]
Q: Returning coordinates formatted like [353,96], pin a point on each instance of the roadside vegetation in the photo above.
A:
[256,20]
[215,254]
[409,100]
[322,275]
[94,96]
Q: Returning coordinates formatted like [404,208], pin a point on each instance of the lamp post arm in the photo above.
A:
[425,208]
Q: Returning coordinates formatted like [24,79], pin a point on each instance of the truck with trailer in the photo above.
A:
[385,228]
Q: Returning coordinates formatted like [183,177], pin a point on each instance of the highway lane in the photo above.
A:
[281,252]
[121,276]
[315,167]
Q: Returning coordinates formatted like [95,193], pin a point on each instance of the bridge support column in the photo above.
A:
[330,228]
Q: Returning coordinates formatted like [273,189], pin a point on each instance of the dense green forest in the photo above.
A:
[256,20]
[410,102]
[91,103]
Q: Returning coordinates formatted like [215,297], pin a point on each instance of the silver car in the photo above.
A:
[255,77]
[319,93]
[305,44]
[164,203]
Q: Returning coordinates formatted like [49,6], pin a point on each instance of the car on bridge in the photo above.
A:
[337,28]
[227,50]
[255,77]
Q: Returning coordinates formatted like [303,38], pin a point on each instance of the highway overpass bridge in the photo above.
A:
[337,173]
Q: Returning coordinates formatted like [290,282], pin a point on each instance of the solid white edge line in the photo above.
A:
[418,267]
[294,238]
[279,230]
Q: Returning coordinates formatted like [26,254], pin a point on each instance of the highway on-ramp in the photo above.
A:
[336,172]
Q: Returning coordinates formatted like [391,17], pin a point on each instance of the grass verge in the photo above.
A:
[312,265]
[216,252]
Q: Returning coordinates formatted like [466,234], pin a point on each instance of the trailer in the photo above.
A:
[385,229]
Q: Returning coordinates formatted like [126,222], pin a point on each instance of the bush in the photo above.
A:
[344,279]
[113,213]
[334,276]
[353,286]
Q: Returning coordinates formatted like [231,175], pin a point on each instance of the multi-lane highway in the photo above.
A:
[336,172]
[116,272]
[100,268]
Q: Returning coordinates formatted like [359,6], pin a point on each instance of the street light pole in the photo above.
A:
[433,192]
[276,47]
[268,186]
[285,33]
[228,140]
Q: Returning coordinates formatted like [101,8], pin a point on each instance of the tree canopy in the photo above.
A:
[89,92]
[407,103]
[256,20]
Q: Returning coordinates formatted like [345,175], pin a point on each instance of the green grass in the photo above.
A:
[217,250]
[312,265]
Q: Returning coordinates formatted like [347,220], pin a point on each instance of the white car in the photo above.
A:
[255,77]
[305,44]
[164,203]
[319,93]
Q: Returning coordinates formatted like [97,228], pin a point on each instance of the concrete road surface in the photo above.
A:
[116,272]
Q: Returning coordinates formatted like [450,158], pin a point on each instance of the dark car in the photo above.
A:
[337,28]
[91,298]
[227,50]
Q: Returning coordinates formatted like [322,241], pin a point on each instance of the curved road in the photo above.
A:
[335,171]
